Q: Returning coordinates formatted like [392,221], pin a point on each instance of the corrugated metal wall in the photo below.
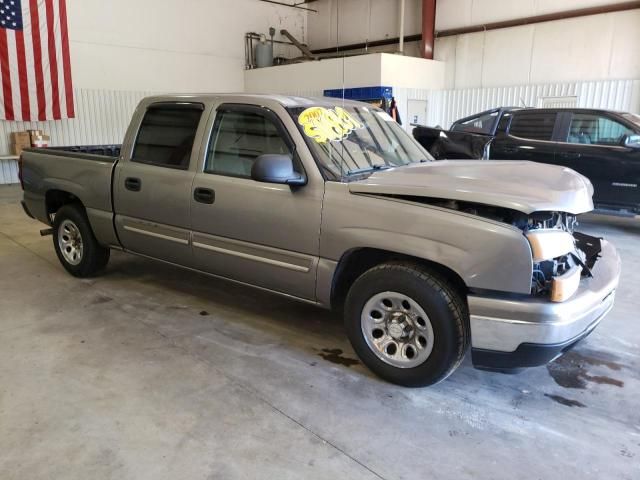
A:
[102,117]
[446,106]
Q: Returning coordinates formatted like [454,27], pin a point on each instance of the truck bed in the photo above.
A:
[84,172]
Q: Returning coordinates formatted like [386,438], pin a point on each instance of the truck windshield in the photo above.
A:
[349,140]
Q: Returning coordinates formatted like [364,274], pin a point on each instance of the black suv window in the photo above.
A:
[482,123]
[533,125]
[593,129]
[166,135]
[238,138]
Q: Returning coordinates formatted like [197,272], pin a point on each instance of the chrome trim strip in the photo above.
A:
[288,266]
[181,241]
[238,282]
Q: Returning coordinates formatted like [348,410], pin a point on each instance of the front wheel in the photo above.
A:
[408,324]
[76,246]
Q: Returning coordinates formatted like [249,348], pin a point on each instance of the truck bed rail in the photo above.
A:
[105,150]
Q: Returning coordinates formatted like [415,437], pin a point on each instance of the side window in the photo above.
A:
[479,124]
[166,135]
[238,138]
[592,129]
[505,121]
[533,125]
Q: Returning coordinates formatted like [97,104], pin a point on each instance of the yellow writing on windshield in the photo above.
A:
[324,124]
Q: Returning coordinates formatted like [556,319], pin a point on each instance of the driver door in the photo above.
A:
[594,146]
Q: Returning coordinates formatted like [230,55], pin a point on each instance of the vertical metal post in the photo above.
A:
[401,28]
[428,28]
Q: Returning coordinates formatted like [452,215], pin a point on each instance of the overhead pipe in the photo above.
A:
[581,12]
[302,47]
[295,5]
[401,28]
[428,28]
[365,45]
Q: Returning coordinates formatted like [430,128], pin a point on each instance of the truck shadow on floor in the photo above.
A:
[301,325]
[307,328]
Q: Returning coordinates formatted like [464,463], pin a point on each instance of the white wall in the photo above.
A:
[596,47]
[588,48]
[169,45]
[356,21]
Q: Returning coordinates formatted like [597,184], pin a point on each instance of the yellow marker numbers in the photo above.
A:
[324,124]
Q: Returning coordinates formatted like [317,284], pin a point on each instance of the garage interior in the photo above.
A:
[149,371]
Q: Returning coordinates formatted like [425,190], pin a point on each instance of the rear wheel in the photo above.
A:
[408,324]
[76,246]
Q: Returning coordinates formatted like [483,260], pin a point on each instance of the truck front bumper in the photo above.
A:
[508,333]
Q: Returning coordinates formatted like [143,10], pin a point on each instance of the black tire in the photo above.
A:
[94,257]
[445,307]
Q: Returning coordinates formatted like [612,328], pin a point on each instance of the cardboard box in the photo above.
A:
[17,149]
[21,138]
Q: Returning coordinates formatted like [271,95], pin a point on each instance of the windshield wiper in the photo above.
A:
[368,169]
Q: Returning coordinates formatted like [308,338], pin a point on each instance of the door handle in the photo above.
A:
[570,155]
[133,184]
[204,195]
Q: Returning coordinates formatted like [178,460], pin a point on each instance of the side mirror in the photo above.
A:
[275,168]
[631,141]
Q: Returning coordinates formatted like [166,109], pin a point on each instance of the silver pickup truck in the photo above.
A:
[332,203]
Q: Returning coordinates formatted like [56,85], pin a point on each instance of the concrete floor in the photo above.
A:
[151,372]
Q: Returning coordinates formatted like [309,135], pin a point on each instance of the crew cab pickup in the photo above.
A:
[602,145]
[332,203]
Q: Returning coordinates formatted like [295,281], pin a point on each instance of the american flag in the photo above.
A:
[35,63]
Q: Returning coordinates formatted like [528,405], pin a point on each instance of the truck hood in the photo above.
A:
[523,186]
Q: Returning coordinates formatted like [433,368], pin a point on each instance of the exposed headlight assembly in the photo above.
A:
[549,244]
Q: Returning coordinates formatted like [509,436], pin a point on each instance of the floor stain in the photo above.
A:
[565,401]
[204,313]
[571,369]
[334,355]
[100,299]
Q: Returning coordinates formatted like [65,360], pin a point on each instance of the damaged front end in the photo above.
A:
[561,256]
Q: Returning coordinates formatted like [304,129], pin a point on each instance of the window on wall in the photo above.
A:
[167,134]
[569,101]
[238,138]
[533,125]
[596,130]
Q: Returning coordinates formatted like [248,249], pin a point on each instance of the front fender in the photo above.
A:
[484,253]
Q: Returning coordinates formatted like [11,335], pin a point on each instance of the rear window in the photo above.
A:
[533,125]
[482,123]
[167,134]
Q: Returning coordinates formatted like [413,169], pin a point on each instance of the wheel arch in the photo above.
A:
[356,261]
[55,199]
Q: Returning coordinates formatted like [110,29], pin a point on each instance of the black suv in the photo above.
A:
[602,145]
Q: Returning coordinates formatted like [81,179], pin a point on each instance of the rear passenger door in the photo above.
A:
[263,234]
[527,135]
[152,189]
